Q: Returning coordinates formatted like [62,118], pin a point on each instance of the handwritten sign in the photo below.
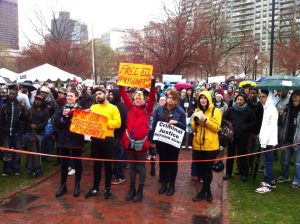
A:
[169,134]
[135,75]
[88,123]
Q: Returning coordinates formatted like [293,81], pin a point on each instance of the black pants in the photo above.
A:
[205,168]
[76,152]
[102,149]
[238,147]
[166,152]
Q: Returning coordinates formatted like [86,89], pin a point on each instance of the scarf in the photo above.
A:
[239,108]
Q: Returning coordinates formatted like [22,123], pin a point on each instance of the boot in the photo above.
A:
[76,191]
[139,194]
[107,193]
[163,187]
[209,196]
[62,189]
[131,193]
[171,188]
[199,197]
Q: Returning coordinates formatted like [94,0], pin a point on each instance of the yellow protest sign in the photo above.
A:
[135,75]
[88,123]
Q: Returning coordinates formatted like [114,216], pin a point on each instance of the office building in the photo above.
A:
[9,26]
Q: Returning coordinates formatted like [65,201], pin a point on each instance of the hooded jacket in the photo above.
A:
[283,122]
[269,132]
[206,136]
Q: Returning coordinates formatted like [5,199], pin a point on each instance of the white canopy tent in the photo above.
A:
[12,76]
[45,72]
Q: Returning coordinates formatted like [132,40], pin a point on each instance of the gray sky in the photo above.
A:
[104,14]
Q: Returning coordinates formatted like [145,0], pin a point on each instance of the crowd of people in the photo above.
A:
[39,121]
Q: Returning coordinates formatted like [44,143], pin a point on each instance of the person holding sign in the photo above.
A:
[70,143]
[172,116]
[135,138]
[206,123]
[103,148]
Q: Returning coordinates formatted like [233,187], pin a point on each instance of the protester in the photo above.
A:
[206,122]
[49,100]
[244,122]
[103,148]
[220,103]
[289,120]
[268,138]
[37,121]
[118,149]
[13,120]
[135,139]
[173,114]
[70,143]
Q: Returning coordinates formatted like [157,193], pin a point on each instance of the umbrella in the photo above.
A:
[280,83]
[247,82]
[183,85]
[28,86]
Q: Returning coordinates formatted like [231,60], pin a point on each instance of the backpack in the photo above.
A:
[226,132]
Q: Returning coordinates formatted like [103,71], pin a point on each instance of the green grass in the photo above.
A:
[11,182]
[282,205]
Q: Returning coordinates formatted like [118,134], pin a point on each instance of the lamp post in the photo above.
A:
[255,67]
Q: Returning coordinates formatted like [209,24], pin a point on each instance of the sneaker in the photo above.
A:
[282,179]
[17,174]
[4,174]
[295,185]
[190,147]
[272,185]
[118,181]
[92,192]
[71,172]
[263,189]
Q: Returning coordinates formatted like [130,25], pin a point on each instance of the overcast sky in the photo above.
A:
[104,14]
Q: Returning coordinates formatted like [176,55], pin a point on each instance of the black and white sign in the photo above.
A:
[169,134]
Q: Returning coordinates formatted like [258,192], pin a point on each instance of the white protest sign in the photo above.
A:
[169,134]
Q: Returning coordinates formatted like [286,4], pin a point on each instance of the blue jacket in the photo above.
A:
[162,114]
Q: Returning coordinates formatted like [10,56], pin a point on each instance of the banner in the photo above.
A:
[135,75]
[169,134]
[88,123]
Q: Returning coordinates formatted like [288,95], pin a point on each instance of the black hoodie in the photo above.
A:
[123,112]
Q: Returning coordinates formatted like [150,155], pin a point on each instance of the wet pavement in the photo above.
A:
[38,204]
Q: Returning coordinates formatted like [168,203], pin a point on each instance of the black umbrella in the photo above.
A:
[27,85]
[256,162]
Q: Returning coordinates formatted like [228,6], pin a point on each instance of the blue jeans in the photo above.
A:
[117,166]
[46,145]
[14,164]
[286,155]
[268,165]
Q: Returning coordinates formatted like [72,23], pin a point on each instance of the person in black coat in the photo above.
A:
[118,149]
[243,121]
[70,143]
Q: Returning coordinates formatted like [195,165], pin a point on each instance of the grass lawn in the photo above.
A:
[282,205]
[12,182]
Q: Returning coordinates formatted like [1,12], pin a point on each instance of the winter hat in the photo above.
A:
[296,92]
[39,97]
[62,90]
[220,95]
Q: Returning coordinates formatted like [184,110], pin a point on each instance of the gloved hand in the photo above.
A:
[196,120]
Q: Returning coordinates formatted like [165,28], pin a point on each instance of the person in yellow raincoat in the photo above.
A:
[206,123]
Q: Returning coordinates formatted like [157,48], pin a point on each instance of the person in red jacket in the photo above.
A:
[135,139]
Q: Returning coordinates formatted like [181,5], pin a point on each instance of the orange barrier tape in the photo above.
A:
[147,161]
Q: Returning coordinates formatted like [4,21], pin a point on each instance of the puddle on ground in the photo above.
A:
[19,202]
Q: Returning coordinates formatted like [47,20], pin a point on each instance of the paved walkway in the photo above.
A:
[38,204]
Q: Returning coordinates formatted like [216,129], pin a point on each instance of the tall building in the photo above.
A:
[68,29]
[253,18]
[114,39]
[9,26]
